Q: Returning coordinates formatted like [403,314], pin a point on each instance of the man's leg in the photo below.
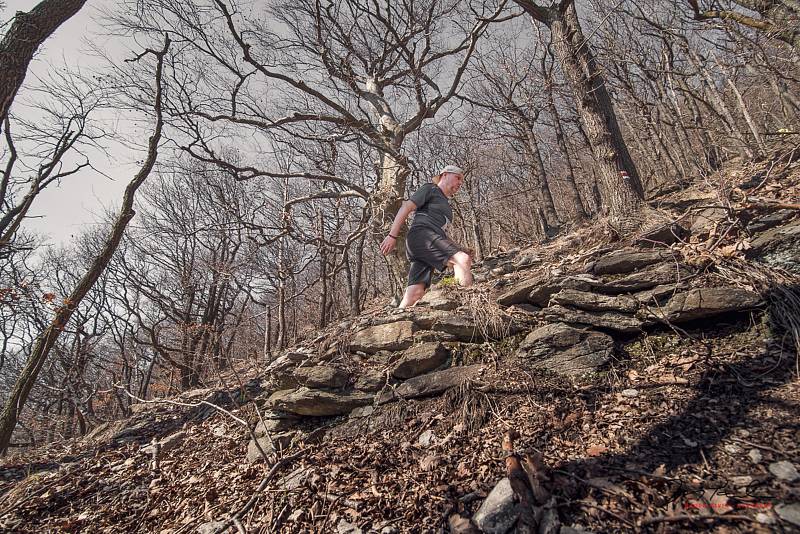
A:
[461,264]
[413,294]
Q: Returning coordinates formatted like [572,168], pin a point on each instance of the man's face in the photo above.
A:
[450,183]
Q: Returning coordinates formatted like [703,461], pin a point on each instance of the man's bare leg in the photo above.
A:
[412,295]
[462,265]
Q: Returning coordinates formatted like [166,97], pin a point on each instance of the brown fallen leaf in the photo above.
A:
[596,450]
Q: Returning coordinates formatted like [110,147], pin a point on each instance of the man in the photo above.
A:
[427,244]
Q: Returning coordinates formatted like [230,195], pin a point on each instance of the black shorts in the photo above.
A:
[427,250]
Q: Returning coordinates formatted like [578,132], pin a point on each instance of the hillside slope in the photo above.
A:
[646,384]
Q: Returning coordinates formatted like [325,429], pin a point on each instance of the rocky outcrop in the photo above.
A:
[567,350]
[779,247]
[432,383]
[420,359]
[585,300]
[398,335]
[315,402]
[540,295]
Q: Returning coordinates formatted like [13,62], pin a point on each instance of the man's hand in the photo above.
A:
[388,245]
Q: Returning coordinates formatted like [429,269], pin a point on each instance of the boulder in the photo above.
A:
[519,292]
[437,300]
[370,380]
[707,302]
[779,247]
[567,350]
[315,402]
[498,512]
[585,300]
[704,222]
[420,359]
[392,336]
[609,320]
[321,376]
[628,260]
[432,383]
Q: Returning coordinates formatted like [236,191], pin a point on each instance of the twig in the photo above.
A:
[257,493]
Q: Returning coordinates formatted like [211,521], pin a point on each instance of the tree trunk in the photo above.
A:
[19,395]
[27,32]
[571,186]
[393,175]
[621,194]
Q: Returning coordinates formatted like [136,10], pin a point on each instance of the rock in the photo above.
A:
[742,481]
[765,519]
[392,336]
[426,439]
[461,525]
[432,383]
[363,411]
[567,350]
[344,527]
[789,513]
[321,376]
[705,220]
[498,512]
[784,470]
[420,359]
[210,527]
[526,261]
[610,320]
[520,291]
[755,456]
[585,300]
[273,421]
[462,327]
[779,247]
[630,393]
[662,236]
[657,295]
[437,300]
[296,478]
[771,220]
[667,273]
[371,380]
[628,260]
[253,454]
[540,295]
[708,301]
[315,402]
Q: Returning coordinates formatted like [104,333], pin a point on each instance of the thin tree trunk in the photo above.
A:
[573,195]
[19,395]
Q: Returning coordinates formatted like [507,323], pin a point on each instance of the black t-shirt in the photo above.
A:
[433,209]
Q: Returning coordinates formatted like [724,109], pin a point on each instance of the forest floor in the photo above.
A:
[688,429]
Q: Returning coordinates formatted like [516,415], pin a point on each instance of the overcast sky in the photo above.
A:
[79,201]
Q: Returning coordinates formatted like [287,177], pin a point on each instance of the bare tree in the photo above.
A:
[18,396]
[776,18]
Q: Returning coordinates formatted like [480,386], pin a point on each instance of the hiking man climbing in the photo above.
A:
[427,244]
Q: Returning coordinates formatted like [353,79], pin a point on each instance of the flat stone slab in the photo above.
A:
[609,320]
[316,402]
[707,302]
[779,247]
[628,260]
[420,359]
[666,273]
[498,512]
[321,376]
[398,335]
[541,294]
[461,327]
[585,300]
[432,383]
[567,350]
[519,292]
[437,300]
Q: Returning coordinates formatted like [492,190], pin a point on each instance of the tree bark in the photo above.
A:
[19,395]
[27,32]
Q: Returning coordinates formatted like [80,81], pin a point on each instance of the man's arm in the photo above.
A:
[406,209]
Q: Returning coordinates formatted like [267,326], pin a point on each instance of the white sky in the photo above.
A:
[80,200]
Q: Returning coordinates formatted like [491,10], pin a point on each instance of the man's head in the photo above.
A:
[450,180]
